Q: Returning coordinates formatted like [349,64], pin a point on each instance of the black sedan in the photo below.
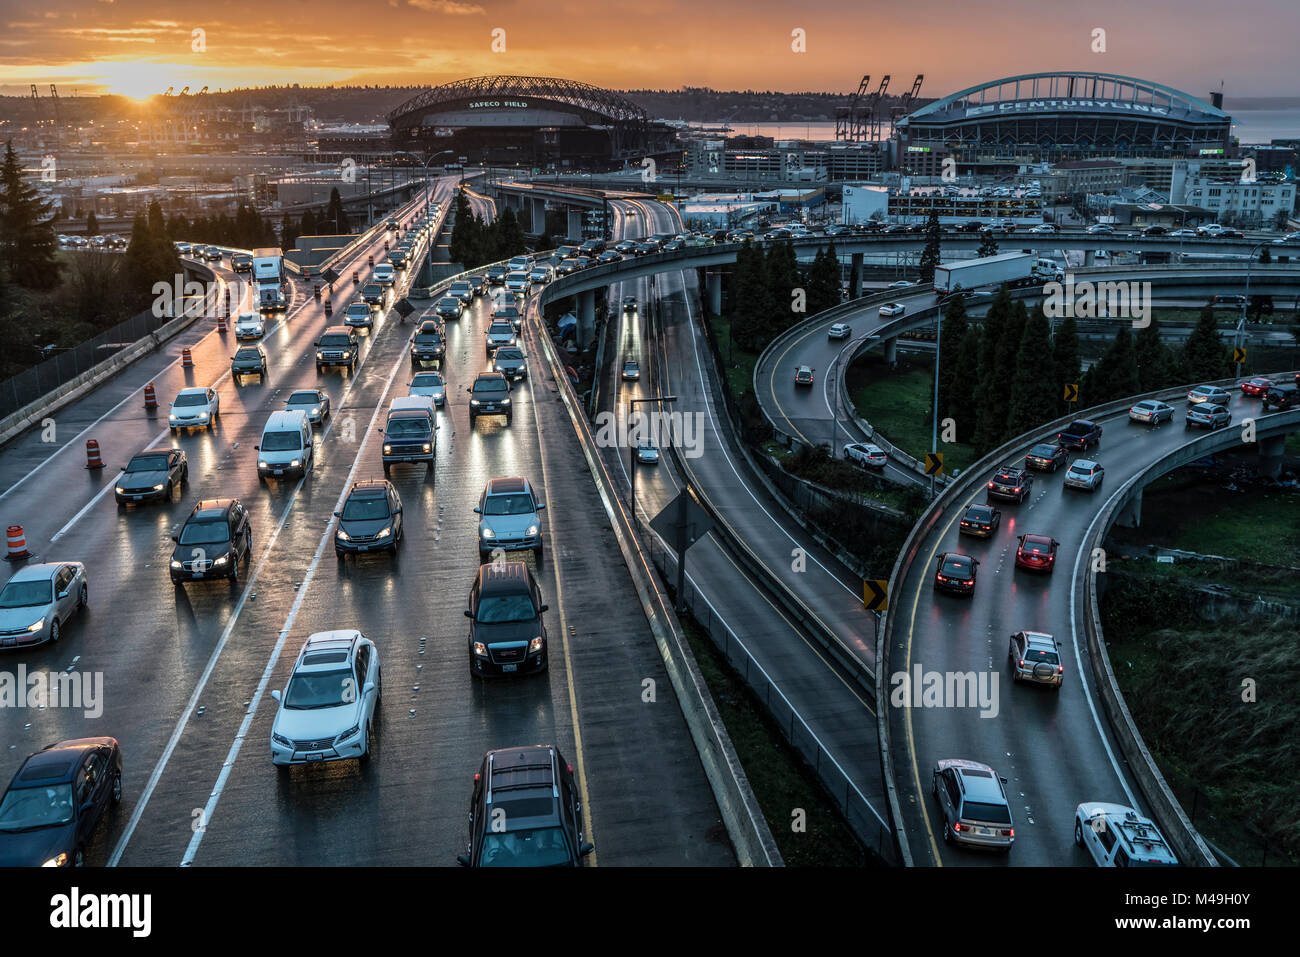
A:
[956,573]
[980,521]
[55,801]
[151,475]
[1046,457]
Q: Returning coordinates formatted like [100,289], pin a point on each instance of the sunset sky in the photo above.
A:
[140,47]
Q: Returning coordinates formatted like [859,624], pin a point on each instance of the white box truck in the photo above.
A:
[268,275]
[1011,268]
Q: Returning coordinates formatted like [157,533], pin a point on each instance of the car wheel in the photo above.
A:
[370,741]
[1078,832]
[54,631]
[509,419]
[234,572]
[947,833]
[185,475]
[84,598]
[388,471]
[170,491]
[319,368]
[78,858]
[117,788]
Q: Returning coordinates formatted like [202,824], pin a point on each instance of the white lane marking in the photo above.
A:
[209,809]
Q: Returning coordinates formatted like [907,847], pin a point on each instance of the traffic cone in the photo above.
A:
[187,360]
[221,321]
[17,545]
[93,461]
[150,397]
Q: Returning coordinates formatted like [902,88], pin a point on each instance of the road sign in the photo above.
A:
[1071,392]
[329,275]
[1238,355]
[875,594]
[933,463]
[404,308]
[682,528]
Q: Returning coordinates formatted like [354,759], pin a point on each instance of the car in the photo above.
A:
[1046,457]
[541,274]
[56,800]
[477,284]
[431,384]
[803,376]
[215,538]
[462,290]
[373,293]
[507,631]
[647,453]
[1035,657]
[973,799]
[609,256]
[1207,415]
[839,330]
[499,333]
[509,518]
[520,263]
[1257,386]
[449,307]
[490,395]
[1037,552]
[119,242]
[359,315]
[566,267]
[329,708]
[981,521]
[250,325]
[197,251]
[624,246]
[152,475]
[510,313]
[1155,230]
[1085,474]
[194,408]
[1287,239]
[511,362]
[1080,434]
[428,343]
[248,360]
[1151,412]
[1012,483]
[631,369]
[496,275]
[337,346]
[38,601]
[314,403]
[892,309]
[1281,397]
[867,455]
[517,283]
[397,257]
[1210,230]
[1209,393]
[370,520]
[900,284]
[1044,229]
[1101,229]
[384,274]
[630,304]
[525,811]
[1118,836]
[411,433]
[1228,300]
[956,573]
[1183,233]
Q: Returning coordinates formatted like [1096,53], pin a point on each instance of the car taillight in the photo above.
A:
[1010,832]
[971,582]
[990,484]
[941,578]
[1022,662]
[1017,488]
[957,826]
[1060,669]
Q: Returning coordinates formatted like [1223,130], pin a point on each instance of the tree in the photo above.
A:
[92,224]
[27,244]
[1034,355]
[461,245]
[952,330]
[1116,374]
[822,281]
[989,406]
[1204,355]
[930,254]
[782,271]
[988,245]
[746,302]
[334,212]
[963,407]
[508,235]
[1065,360]
[1153,359]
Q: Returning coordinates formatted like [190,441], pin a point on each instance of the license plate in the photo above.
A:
[198,574]
[137,497]
[363,548]
[509,667]
[279,471]
[315,757]
[9,641]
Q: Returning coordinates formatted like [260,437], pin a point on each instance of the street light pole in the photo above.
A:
[1240,339]
[934,413]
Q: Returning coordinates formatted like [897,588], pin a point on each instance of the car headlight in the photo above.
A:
[261,465]
[119,490]
[385,531]
[505,401]
[347,734]
[176,564]
[388,449]
[281,739]
[536,644]
[488,533]
[60,861]
[532,529]
[344,535]
[320,355]
[480,649]
[473,401]
[203,416]
[221,561]
[315,410]
[295,463]
[36,626]
[172,417]
[158,488]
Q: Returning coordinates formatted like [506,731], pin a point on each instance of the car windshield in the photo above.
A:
[281,441]
[507,312]
[303,398]
[497,609]
[1041,655]
[955,566]
[427,381]
[190,398]
[321,689]
[371,289]
[26,594]
[491,385]
[358,309]
[520,504]
[501,329]
[147,463]
[336,339]
[247,354]
[361,509]
[404,428]
[990,813]
[26,809]
[448,303]
[206,533]
[432,337]
[527,847]
[509,354]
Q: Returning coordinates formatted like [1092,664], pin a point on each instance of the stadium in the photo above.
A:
[1054,117]
[528,120]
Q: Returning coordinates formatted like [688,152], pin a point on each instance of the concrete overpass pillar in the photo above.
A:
[574,228]
[586,318]
[891,351]
[714,283]
[1130,516]
[538,213]
[855,276]
[1270,456]
[1090,257]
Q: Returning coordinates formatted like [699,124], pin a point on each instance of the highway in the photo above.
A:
[187,670]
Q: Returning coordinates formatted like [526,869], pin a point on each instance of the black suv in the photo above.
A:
[496,275]
[1281,397]
[427,345]
[241,263]
[337,346]
[213,541]
[490,395]
[152,474]
[373,293]
[531,791]
[507,633]
[248,360]
[1011,483]
[371,519]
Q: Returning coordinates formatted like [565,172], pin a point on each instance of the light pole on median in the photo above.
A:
[1239,339]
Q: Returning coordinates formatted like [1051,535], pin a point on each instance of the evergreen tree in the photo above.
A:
[1153,360]
[92,224]
[930,254]
[1065,361]
[952,330]
[988,245]
[27,243]
[1117,372]
[334,212]
[746,302]
[963,408]
[1204,356]
[991,413]
[508,236]
[1033,358]
[459,248]
[782,270]
[822,281]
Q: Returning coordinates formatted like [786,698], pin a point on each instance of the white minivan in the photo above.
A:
[286,446]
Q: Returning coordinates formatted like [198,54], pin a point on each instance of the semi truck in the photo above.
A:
[1015,269]
[268,275]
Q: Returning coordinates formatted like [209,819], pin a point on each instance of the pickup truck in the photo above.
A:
[1079,434]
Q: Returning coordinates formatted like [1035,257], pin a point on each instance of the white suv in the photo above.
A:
[194,408]
[384,274]
[328,710]
[1117,836]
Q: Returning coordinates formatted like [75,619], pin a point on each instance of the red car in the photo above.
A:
[1037,553]
[1256,386]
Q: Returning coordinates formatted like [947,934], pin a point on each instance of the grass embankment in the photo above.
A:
[781,781]
[738,363]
